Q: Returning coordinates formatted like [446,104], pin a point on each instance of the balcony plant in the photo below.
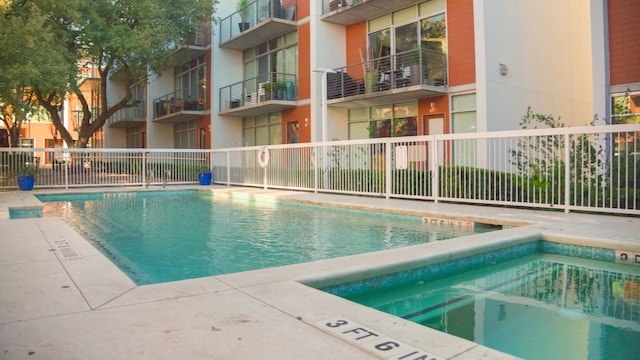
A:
[371,63]
[267,90]
[243,11]
[279,88]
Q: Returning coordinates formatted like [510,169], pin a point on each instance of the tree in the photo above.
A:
[47,43]
[19,39]
[15,108]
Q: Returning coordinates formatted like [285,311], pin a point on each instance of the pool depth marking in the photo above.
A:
[118,195]
[448,223]
[372,341]
[627,257]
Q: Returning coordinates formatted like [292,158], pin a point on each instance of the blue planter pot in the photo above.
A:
[205,178]
[26,182]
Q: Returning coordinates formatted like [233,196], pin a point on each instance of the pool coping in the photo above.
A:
[242,302]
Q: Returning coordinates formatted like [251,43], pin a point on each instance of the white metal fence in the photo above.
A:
[594,168]
[66,168]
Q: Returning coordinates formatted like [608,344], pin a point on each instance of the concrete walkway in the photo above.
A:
[62,299]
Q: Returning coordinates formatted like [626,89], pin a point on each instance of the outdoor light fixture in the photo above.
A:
[504,70]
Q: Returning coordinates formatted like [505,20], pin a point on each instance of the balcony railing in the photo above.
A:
[88,73]
[128,117]
[348,12]
[258,22]
[262,94]
[420,73]
[180,105]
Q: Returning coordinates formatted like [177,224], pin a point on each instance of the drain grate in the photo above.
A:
[66,250]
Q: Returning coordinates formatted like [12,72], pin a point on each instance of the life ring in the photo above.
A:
[263,157]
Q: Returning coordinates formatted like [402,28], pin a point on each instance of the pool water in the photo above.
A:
[539,306]
[165,236]
[25,213]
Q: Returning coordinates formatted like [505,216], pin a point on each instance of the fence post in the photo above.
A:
[144,168]
[315,168]
[264,172]
[567,173]
[67,165]
[264,178]
[387,169]
[435,177]
[228,168]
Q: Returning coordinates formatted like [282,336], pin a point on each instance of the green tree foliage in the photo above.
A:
[45,43]
[23,38]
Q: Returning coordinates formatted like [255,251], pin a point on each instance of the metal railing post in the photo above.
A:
[567,173]
[66,174]
[228,168]
[144,169]
[435,182]
[315,168]
[387,169]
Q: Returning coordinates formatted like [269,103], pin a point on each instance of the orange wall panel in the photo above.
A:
[441,107]
[356,42]
[302,8]
[304,61]
[461,48]
[301,114]
[624,52]
[356,49]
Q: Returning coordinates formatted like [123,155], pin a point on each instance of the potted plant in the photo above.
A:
[267,90]
[243,11]
[25,176]
[279,88]
[370,68]
[205,177]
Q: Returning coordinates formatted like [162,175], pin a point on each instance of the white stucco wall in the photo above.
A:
[226,69]
[599,51]
[114,137]
[159,135]
[226,131]
[546,46]
[328,50]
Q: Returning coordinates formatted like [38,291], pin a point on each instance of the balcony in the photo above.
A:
[406,76]
[267,93]
[347,12]
[257,23]
[178,106]
[128,117]
[89,77]
[191,48]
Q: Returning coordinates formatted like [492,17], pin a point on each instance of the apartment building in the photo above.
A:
[392,68]
[174,106]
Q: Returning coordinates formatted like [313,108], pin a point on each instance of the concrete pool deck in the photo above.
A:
[62,299]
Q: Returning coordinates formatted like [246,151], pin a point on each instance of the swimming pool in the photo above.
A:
[535,306]
[173,235]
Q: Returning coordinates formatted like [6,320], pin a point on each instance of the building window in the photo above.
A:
[463,120]
[626,108]
[384,121]
[273,61]
[406,30]
[26,142]
[134,138]
[394,41]
[191,80]
[262,130]
[184,135]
